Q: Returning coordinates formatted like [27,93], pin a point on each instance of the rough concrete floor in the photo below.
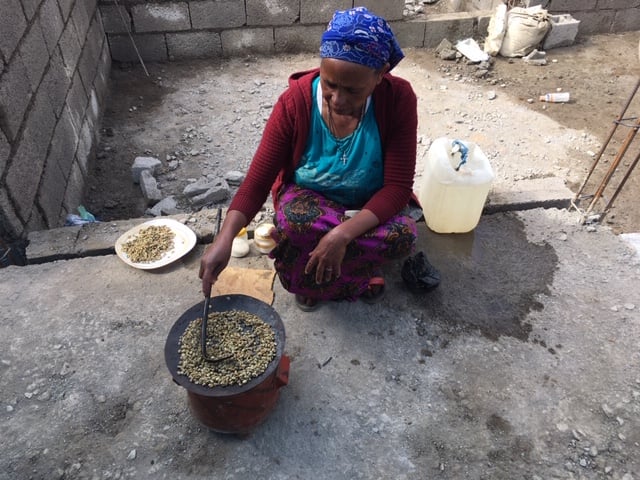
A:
[523,364]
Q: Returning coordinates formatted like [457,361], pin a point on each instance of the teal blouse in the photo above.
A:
[347,170]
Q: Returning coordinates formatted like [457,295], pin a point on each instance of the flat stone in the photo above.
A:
[200,186]
[149,187]
[144,163]
[166,206]
[528,194]
[216,194]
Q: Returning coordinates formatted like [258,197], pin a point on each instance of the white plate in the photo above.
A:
[183,241]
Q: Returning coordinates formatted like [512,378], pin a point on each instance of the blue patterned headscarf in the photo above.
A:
[359,36]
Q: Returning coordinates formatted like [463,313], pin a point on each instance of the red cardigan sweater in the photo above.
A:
[285,137]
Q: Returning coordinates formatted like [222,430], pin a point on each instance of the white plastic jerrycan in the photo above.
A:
[455,186]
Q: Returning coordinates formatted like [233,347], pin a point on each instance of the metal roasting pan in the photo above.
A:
[223,303]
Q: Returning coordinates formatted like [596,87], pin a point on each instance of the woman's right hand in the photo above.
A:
[213,261]
[216,257]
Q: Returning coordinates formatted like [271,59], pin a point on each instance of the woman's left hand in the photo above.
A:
[327,257]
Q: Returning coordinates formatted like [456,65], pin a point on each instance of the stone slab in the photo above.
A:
[99,238]
[528,194]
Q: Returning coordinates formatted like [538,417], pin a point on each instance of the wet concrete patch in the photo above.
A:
[492,278]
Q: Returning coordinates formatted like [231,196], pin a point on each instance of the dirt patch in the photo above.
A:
[601,73]
[205,118]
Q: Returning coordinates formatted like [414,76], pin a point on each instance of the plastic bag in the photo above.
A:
[470,49]
[84,217]
[419,275]
[526,28]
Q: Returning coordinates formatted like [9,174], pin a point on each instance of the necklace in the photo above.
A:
[346,143]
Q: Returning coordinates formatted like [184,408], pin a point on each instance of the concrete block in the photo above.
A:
[12,26]
[199,187]
[166,206]
[149,187]
[85,145]
[36,221]
[217,14]
[595,22]
[30,7]
[298,39]
[90,55]
[51,193]
[94,115]
[77,99]
[152,48]
[482,5]
[535,3]
[172,16]
[23,174]
[617,4]
[237,42]
[56,82]
[100,238]
[5,150]
[74,193]
[387,9]
[483,25]
[564,29]
[49,245]
[409,33]
[81,18]
[140,164]
[312,11]
[65,8]
[535,193]
[194,45]
[15,95]
[626,20]
[274,12]
[216,194]
[116,19]
[51,23]
[10,223]
[92,7]
[64,143]
[70,47]
[101,82]
[234,177]
[35,55]
[573,5]
[453,27]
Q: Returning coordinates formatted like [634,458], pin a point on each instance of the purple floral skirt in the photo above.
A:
[304,217]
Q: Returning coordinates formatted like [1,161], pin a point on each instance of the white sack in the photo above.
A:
[526,28]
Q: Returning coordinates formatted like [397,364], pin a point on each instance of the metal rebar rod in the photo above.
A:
[614,165]
[619,189]
[135,47]
[606,143]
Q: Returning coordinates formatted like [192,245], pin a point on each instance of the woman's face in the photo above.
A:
[346,85]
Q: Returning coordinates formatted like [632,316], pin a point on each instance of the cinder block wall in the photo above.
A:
[54,72]
[598,16]
[174,29]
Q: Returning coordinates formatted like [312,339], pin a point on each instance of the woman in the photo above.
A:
[341,137]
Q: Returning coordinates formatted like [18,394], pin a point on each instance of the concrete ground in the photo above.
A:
[523,364]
